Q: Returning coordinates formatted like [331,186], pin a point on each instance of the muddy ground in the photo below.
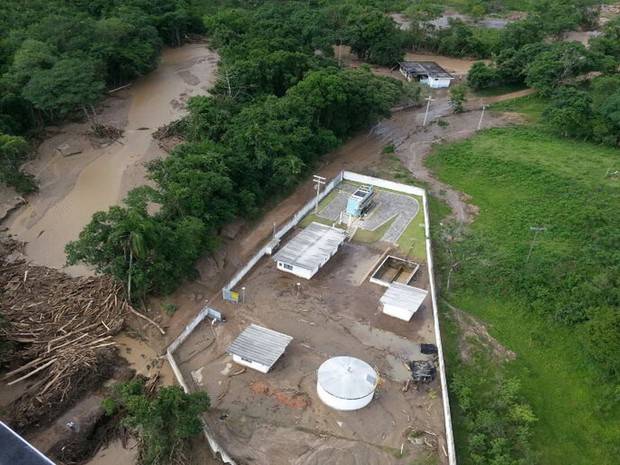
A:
[277,418]
[72,188]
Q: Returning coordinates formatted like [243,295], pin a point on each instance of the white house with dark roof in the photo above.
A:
[426,72]
[309,250]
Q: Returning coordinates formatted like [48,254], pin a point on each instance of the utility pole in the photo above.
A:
[536,231]
[429,99]
[319,180]
[481,116]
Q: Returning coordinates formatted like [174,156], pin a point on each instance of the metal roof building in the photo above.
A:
[402,301]
[258,348]
[427,72]
[15,450]
[309,250]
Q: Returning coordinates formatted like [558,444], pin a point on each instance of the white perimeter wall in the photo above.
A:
[349,176]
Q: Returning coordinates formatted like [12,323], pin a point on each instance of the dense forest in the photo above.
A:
[57,58]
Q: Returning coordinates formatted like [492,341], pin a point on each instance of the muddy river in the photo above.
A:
[75,187]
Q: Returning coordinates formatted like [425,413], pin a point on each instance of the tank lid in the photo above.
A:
[347,378]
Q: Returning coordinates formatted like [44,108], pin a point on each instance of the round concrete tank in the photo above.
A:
[346,383]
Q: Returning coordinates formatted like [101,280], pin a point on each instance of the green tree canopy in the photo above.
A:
[373,36]
[148,252]
[562,60]
[68,85]
[162,423]
[14,150]
[194,181]
[482,76]
[570,113]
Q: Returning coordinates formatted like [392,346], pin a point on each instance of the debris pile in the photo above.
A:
[423,371]
[428,349]
[102,131]
[59,329]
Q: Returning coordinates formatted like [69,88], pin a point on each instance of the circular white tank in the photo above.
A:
[346,383]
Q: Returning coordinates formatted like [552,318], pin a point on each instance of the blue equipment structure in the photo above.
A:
[360,201]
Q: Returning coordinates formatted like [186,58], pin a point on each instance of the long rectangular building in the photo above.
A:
[258,348]
[309,250]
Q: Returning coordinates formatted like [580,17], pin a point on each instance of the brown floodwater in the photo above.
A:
[102,176]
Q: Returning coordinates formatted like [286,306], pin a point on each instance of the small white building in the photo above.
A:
[309,250]
[426,72]
[402,301]
[258,348]
[346,383]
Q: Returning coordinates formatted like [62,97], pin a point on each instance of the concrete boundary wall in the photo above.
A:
[297,217]
[217,449]
[349,176]
[442,363]
[394,186]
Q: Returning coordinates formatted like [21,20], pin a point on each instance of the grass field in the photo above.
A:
[522,177]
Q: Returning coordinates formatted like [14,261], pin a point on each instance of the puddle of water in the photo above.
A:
[144,359]
[100,183]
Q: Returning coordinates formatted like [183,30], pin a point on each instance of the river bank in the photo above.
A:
[72,188]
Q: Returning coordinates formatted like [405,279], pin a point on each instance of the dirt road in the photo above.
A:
[73,188]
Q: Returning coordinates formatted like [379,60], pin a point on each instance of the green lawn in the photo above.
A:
[530,105]
[368,237]
[522,177]
[412,240]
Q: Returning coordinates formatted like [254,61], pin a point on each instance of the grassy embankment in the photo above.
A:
[522,177]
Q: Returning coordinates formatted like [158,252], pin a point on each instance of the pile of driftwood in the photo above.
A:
[60,332]
[102,131]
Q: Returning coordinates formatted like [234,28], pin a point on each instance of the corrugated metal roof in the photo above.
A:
[347,377]
[406,297]
[15,450]
[311,246]
[259,344]
[429,68]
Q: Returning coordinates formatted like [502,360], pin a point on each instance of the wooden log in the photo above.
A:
[28,365]
[138,314]
[119,88]
[32,373]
